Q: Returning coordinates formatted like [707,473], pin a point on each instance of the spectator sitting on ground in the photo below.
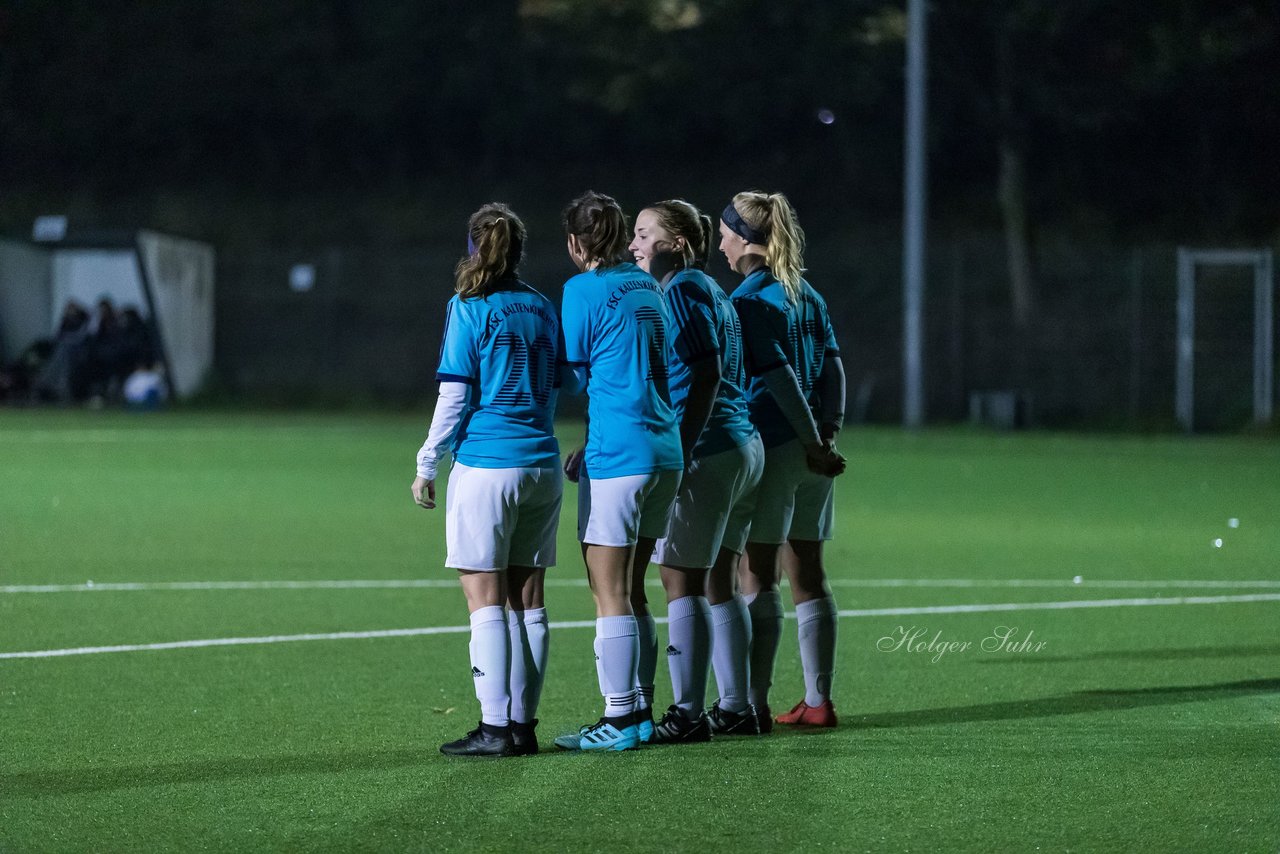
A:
[54,379]
[135,333]
[108,362]
[20,374]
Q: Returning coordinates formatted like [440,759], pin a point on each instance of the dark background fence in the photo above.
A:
[1100,351]
[358,136]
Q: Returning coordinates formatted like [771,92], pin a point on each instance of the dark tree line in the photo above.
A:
[1158,117]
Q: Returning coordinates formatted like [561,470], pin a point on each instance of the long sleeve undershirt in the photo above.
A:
[451,405]
[785,388]
[833,392]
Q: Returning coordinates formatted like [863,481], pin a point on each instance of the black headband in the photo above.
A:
[740,227]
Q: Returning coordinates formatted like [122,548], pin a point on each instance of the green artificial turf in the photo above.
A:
[1134,727]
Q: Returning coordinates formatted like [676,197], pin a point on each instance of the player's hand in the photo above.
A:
[824,459]
[573,465]
[424,492]
[838,462]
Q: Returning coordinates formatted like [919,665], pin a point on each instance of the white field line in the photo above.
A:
[1159,584]
[1062,606]
[431,583]
[195,644]
[583,624]
[352,584]
[177,434]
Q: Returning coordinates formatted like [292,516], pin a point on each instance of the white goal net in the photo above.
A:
[1189,262]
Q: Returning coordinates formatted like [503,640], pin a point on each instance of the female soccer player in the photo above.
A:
[615,344]
[796,373]
[723,458]
[498,370]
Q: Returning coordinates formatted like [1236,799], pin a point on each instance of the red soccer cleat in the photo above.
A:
[805,715]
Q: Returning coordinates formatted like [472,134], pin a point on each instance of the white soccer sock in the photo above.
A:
[617,651]
[491,663]
[689,652]
[765,609]
[817,619]
[529,639]
[647,664]
[730,646]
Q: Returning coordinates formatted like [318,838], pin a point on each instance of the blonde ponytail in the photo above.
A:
[772,215]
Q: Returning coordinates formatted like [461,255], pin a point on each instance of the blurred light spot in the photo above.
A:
[302,277]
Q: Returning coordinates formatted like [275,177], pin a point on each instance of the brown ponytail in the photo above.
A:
[498,236]
[704,253]
[681,219]
[601,227]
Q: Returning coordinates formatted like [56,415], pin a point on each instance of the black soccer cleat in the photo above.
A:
[765,716]
[724,722]
[644,723]
[524,738]
[675,728]
[484,740]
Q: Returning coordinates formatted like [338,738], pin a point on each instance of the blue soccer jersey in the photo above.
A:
[615,326]
[777,332]
[705,326]
[505,346]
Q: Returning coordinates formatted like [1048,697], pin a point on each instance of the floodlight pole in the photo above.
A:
[1184,385]
[1263,339]
[913,217]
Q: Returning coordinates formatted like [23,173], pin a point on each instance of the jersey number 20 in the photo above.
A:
[530,372]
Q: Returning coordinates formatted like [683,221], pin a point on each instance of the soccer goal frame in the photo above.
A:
[1189,260]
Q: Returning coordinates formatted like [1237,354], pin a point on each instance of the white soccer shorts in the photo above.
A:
[495,518]
[616,511]
[713,508]
[792,502]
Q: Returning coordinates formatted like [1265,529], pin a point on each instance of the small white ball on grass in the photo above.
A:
[1233,522]
[1217,544]
[1078,579]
